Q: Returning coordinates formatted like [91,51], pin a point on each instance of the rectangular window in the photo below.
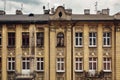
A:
[11,39]
[78,39]
[11,64]
[92,39]
[106,39]
[40,64]
[107,64]
[92,64]
[40,39]
[25,39]
[0,39]
[60,65]
[78,64]
[25,63]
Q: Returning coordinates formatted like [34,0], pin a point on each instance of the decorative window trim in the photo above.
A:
[61,63]
[11,63]
[107,38]
[79,38]
[40,61]
[80,61]
[92,37]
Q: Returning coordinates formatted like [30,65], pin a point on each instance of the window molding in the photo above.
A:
[78,39]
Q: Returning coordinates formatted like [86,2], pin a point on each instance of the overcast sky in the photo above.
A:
[78,6]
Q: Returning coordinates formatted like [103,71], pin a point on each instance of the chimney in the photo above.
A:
[69,11]
[99,12]
[52,10]
[105,11]
[86,11]
[2,12]
[46,11]
[18,12]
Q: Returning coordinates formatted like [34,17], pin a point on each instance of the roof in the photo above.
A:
[92,17]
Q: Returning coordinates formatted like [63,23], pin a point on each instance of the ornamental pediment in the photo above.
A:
[61,13]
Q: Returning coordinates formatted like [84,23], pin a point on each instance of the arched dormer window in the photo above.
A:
[60,39]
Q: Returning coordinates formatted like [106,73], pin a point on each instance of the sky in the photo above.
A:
[77,6]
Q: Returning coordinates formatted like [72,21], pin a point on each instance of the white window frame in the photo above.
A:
[26,63]
[40,61]
[61,64]
[107,62]
[92,62]
[80,61]
[11,62]
[93,44]
[79,39]
[107,38]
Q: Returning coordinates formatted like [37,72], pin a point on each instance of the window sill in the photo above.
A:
[60,71]
[40,71]
[60,46]
[107,46]
[78,70]
[10,46]
[78,46]
[25,46]
[39,46]
[92,46]
[107,71]
[11,71]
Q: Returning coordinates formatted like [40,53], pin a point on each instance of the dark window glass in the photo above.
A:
[25,39]
[60,39]
[11,39]
[40,39]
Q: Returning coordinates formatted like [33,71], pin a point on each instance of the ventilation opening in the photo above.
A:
[60,14]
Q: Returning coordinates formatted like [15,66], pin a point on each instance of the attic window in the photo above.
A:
[60,14]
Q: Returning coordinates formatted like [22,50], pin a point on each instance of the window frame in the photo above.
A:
[27,63]
[60,37]
[41,38]
[11,39]
[106,62]
[40,61]
[92,37]
[12,60]
[79,62]
[25,39]
[107,38]
[61,64]
[79,38]
[92,61]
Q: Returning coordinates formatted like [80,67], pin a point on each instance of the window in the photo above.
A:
[60,65]
[60,39]
[78,64]
[92,39]
[25,39]
[11,64]
[92,64]
[25,63]
[0,39]
[78,39]
[40,39]
[106,39]
[40,64]
[11,39]
[107,64]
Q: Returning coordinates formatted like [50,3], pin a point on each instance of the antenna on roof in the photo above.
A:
[4,5]
[21,6]
[96,5]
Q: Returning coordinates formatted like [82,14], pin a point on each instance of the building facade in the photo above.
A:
[60,46]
